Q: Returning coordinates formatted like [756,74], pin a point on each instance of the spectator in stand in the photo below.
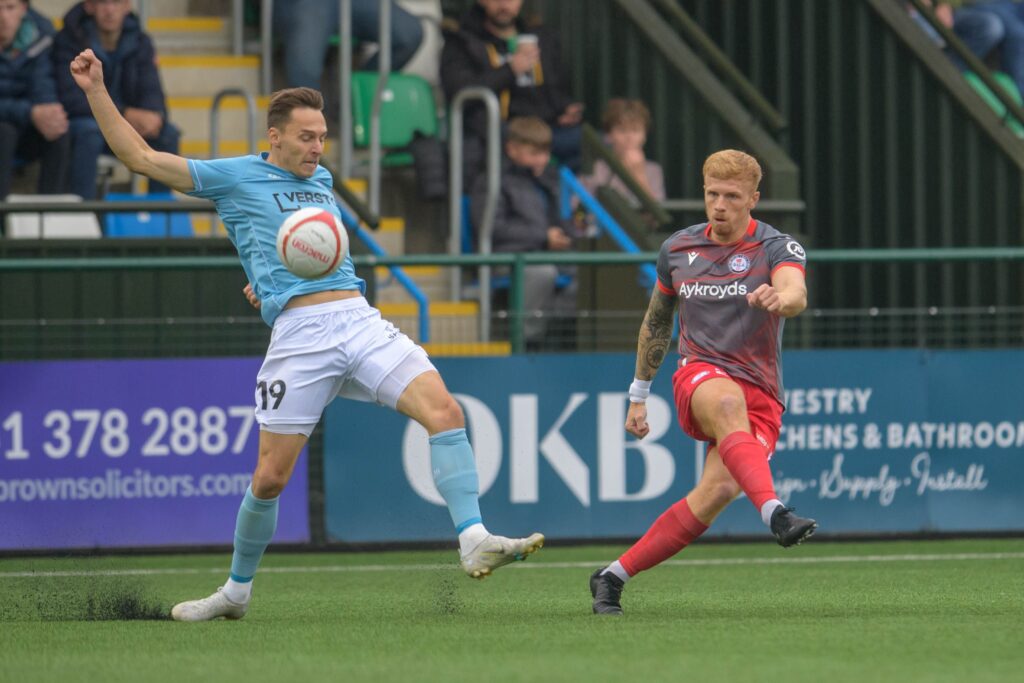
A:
[111,30]
[33,124]
[494,48]
[527,219]
[1011,13]
[626,124]
[305,27]
[980,29]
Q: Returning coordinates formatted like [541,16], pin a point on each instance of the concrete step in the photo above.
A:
[176,35]
[494,348]
[206,75]
[450,321]
[390,235]
[432,281]
[192,116]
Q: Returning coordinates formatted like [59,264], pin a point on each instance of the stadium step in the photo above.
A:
[192,116]
[450,321]
[199,75]
[176,35]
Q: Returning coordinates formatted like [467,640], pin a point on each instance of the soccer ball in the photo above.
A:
[312,243]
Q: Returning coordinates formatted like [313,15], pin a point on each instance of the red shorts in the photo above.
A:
[763,411]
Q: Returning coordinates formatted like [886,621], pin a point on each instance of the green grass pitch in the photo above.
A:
[895,611]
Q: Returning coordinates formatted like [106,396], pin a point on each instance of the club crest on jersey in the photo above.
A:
[739,264]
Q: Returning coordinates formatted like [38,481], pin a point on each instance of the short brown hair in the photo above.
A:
[731,164]
[618,111]
[529,130]
[282,102]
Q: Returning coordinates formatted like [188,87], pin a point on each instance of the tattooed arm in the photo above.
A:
[652,347]
[655,335]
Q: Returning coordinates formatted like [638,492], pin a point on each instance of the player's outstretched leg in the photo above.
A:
[254,528]
[789,529]
[454,470]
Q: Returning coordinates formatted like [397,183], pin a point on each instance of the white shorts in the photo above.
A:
[341,348]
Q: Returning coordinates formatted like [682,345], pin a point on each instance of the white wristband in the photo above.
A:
[639,390]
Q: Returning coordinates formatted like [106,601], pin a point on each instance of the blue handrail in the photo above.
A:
[572,186]
[352,223]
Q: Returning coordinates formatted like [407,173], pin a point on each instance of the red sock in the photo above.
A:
[670,533]
[747,462]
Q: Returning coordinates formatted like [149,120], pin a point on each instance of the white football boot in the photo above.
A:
[217,605]
[497,551]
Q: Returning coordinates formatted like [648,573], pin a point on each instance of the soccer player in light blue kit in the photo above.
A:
[327,340]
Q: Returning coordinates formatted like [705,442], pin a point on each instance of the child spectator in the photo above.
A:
[626,124]
[527,219]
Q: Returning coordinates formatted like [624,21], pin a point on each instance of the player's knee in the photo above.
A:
[268,481]
[718,492]
[444,414]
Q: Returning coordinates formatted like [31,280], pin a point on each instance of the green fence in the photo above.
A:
[157,306]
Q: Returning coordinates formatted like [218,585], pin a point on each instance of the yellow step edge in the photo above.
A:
[209,61]
[233,147]
[205,103]
[204,226]
[391,224]
[202,147]
[497,348]
[437,308]
[421,271]
[357,185]
[188,24]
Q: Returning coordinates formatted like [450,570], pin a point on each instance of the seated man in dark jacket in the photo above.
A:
[527,218]
[114,33]
[495,49]
[33,124]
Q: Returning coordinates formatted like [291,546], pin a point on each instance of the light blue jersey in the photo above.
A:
[253,198]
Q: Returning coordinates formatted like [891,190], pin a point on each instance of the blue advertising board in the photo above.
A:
[872,442]
[131,453]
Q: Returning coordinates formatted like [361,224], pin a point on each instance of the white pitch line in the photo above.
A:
[718,562]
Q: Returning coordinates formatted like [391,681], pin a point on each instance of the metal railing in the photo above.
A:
[250,112]
[455,192]
[517,263]
[572,187]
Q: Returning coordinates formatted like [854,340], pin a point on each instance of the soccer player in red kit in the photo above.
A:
[734,280]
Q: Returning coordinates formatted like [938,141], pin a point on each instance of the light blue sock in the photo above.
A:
[454,470]
[254,527]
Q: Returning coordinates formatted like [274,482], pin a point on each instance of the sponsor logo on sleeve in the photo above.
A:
[796,250]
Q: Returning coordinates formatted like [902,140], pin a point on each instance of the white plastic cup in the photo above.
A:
[525,39]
